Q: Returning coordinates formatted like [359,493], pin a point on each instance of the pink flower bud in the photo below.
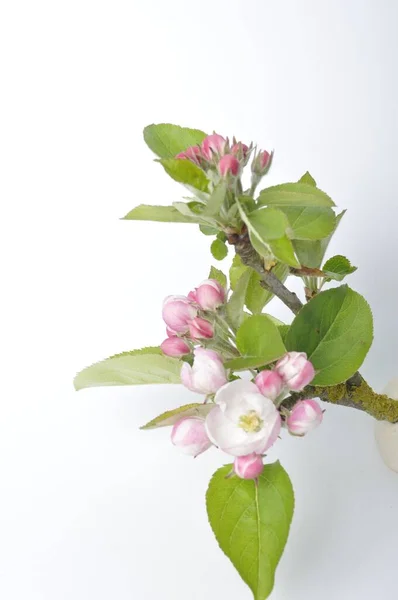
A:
[175,346]
[240,149]
[295,370]
[207,373]
[262,163]
[200,329]
[270,384]
[192,153]
[249,466]
[189,435]
[213,145]
[170,332]
[192,296]
[177,313]
[210,294]
[228,164]
[305,416]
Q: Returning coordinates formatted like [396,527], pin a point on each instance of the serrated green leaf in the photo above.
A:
[309,222]
[308,179]
[257,296]
[283,330]
[311,253]
[259,338]
[218,276]
[338,267]
[130,369]
[167,140]
[236,303]
[335,329]
[170,417]
[186,172]
[283,250]
[251,522]
[294,194]
[163,214]
[267,223]
[219,250]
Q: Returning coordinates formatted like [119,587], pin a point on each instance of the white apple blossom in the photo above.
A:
[243,420]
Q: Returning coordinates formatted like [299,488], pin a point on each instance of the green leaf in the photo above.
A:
[294,194]
[236,302]
[186,172]
[163,214]
[283,250]
[207,230]
[216,199]
[267,234]
[267,223]
[168,140]
[251,522]
[311,253]
[236,271]
[284,330]
[335,329]
[172,416]
[218,276]
[307,178]
[258,338]
[130,369]
[310,222]
[219,250]
[338,267]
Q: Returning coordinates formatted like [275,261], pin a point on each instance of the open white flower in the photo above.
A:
[244,421]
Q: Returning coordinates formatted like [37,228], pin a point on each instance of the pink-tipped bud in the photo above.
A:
[192,153]
[177,313]
[207,373]
[249,466]
[295,370]
[192,296]
[213,145]
[200,329]
[261,163]
[228,164]
[210,294]
[170,332]
[240,150]
[175,346]
[189,435]
[305,416]
[270,384]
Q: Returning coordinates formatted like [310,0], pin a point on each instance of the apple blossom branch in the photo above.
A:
[355,392]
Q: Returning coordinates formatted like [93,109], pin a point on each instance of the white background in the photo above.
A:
[91,507]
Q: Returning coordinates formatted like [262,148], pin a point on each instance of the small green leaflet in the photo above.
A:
[172,416]
[251,522]
[167,140]
[236,271]
[130,369]
[186,172]
[335,329]
[338,267]
[218,276]
[218,249]
[294,194]
[311,252]
[216,199]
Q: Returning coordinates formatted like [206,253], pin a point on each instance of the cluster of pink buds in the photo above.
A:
[184,317]
[245,420]
[217,152]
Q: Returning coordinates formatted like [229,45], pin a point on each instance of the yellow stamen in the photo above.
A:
[251,422]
